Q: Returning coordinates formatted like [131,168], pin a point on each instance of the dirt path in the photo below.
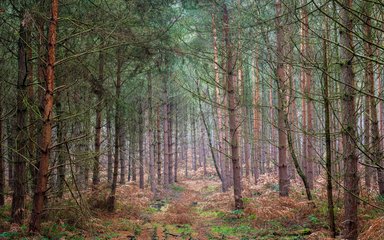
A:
[195,209]
[181,215]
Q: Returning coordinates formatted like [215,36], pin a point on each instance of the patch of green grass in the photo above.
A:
[313,219]
[210,214]
[252,217]
[243,231]
[247,200]
[177,188]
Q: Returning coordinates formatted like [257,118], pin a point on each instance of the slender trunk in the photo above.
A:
[256,121]
[186,145]
[166,134]
[232,112]
[170,143]
[132,151]
[351,178]
[41,187]
[41,73]
[176,158]
[109,147]
[194,160]
[328,164]
[296,160]
[306,71]
[2,165]
[19,184]
[112,198]
[281,82]
[31,114]
[141,148]
[130,157]
[99,109]
[220,155]
[158,137]
[122,156]
[151,142]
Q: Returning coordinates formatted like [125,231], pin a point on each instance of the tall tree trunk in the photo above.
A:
[281,82]
[122,150]
[256,121]
[151,140]
[351,178]
[220,155]
[141,147]
[306,71]
[2,162]
[112,197]
[19,184]
[176,158]
[41,74]
[132,151]
[31,114]
[170,143]
[109,147]
[41,187]
[99,109]
[327,114]
[158,150]
[166,134]
[186,147]
[194,159]
[232,112]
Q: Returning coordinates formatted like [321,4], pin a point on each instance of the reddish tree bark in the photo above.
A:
[256,121]
[42,180]
[281,82]
[307,78]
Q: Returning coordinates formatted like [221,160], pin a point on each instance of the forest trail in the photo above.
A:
[196,209]
[181,215]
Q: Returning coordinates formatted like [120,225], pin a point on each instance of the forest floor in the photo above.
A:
[195,208]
